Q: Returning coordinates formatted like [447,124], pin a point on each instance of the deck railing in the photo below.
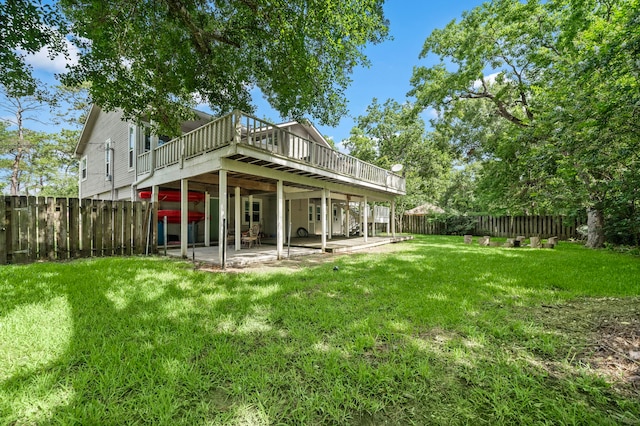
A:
[242,129]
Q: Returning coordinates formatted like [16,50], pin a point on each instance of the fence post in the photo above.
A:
[4,241]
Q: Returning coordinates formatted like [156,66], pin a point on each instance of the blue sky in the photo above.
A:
[392,61]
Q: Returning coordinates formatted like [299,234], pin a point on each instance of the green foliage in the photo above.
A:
[454,223]
[545,94]
[26,26]
[157,59]
[392,133]
[431,332]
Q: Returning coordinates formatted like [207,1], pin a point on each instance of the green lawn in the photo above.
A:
[431,332]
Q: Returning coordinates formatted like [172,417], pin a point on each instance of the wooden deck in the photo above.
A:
[241,138]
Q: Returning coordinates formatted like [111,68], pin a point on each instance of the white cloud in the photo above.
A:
[489,79]
[42,60]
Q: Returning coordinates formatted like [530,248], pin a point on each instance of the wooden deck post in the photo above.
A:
[366,219]
[330,218]
[280,219]
[393,218]
[323,216]
[222,215]
[237,218]
[207,219]
[184,217]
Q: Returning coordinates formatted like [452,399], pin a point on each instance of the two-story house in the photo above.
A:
[224,175]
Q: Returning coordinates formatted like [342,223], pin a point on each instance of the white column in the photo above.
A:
[348,219]
[323,216]
[184,217]
[250,211]
[280,219]
[361,219]
[237,232]
[222,215]
[366,219]
[373,221]
[330,218]
[154,220]
[207,219]
[392,219]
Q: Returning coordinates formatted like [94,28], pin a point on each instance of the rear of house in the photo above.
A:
[223,175]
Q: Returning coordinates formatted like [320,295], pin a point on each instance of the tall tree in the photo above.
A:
[158,58]
[530,62]
[27,26]
[20,142]
[392,133]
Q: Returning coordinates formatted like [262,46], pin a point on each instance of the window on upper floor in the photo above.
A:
[132,147]
[108,163]
[83,168]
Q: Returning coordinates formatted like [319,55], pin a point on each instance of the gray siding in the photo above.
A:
[107,126]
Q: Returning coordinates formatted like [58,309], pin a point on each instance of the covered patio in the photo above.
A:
[267,251]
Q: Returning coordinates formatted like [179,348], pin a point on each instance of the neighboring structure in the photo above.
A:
[244,170]
[424,209]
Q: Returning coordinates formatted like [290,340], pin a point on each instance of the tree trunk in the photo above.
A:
[595,225]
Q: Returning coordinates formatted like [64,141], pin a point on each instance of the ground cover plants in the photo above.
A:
[430,331]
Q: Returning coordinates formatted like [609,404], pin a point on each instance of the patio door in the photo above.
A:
[312,218]
[336,218]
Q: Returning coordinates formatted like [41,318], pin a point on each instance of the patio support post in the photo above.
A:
[280,220]
[154,217]
[207,219]
[323,215]
[361,219]
[330,218]
[237,237]
[365,213]
[184,217]
[250,211]
[348,218]
[392,219]
[222,215]
[373,219]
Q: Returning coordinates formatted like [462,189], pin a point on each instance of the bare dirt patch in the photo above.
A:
[605,334]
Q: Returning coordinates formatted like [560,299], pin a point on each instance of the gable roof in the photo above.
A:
[423,210]
[95,111]
[315,133]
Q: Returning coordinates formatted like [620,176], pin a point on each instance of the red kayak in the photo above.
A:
[173,195]
[173,216]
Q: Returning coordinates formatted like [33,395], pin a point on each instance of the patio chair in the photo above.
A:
[249,237]
[257,231]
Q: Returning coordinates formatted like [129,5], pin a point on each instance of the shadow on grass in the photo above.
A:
[426,335]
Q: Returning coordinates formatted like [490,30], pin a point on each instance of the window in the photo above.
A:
[147,139]
[257,212]
[83,168]
[107,160]
[311,213]
[162,139]
[319,213]
[132,147]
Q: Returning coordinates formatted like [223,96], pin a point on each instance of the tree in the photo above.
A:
[530,62]
[156,59]
[19,143]
[392,133]
[26,27]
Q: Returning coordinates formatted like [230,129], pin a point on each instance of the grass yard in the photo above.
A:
[431,331]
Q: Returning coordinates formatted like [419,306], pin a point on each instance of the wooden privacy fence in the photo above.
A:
[502,226]
[39,228]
